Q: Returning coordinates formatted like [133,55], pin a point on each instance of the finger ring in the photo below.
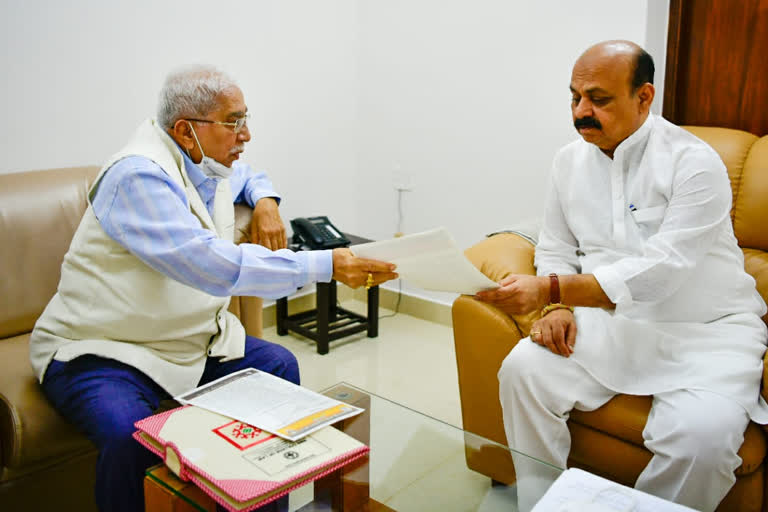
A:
[534,333]
[369,281]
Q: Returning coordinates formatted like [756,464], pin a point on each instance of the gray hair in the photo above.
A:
[191,93]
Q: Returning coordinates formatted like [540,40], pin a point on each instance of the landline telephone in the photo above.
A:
[317,233]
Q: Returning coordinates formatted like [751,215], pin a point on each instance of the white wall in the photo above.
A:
[468,99]
[471,99]
[80,75]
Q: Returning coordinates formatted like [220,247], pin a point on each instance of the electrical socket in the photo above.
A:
[402,179]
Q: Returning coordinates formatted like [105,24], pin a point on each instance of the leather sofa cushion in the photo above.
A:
[32,431]
[624,417]
[756,265]
[39,213]
[751,208]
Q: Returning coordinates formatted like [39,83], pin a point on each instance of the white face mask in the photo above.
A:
[210,167]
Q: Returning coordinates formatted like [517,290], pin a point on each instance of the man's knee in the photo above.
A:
[710,440]
[114,428]
[715,439]
[522,366]
[271,358]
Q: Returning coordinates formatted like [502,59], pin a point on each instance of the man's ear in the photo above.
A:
[646,93]
[181,131]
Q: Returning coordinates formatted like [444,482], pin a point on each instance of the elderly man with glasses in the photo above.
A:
[140,314]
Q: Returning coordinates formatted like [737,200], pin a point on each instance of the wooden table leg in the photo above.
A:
[373,312]
[323,298]
[281,315]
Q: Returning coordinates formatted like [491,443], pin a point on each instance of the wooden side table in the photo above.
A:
[328,322]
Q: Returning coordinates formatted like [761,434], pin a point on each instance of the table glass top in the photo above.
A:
[416,463]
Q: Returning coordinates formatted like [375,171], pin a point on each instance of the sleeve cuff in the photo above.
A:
[614,287]
[261,194]
[318,266]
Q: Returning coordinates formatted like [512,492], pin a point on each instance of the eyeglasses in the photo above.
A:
[237,125]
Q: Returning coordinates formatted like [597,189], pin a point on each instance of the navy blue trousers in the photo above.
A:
[104,398]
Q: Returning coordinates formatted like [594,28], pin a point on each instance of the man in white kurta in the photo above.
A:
[638,232]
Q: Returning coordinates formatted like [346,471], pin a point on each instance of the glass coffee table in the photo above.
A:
[416,463]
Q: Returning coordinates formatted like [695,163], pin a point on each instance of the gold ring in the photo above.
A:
[535,332]
[369,282]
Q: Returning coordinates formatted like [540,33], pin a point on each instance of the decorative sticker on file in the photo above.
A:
[242,435]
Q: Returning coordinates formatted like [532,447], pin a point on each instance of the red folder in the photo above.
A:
[240,466]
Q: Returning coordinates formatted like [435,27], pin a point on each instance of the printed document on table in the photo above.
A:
[269,403]
[430,260]
[576,490]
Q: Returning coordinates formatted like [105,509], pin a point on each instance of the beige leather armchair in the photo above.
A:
[607,441]
[45,464]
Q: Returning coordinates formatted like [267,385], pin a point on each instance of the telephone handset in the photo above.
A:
[317,233]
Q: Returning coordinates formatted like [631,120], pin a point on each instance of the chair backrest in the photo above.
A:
[746,157]
[39,213]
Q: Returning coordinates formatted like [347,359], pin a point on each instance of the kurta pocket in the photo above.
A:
[649,219]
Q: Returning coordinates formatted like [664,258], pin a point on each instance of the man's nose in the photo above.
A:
[244,135]
[583,109]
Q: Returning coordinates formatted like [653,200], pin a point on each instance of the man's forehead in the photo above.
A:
[605,78]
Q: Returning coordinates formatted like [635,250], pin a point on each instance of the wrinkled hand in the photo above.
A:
[556,331]
[267,227]
[518,294]
[353,271]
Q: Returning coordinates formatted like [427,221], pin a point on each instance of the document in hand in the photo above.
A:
[240,466]
[270,403]
[430,260]
[579,491]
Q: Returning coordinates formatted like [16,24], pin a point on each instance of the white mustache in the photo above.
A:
[237,149]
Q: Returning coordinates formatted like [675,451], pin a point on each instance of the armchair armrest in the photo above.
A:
[243,217]
[501,255]
[756,265]
[484,335]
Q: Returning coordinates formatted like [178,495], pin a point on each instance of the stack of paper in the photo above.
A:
[271,403]
[430,260]
[576,490]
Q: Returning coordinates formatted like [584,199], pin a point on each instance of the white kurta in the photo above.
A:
[653,226]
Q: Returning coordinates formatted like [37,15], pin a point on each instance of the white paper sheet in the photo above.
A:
[270,403]
[577,490]
[430,260]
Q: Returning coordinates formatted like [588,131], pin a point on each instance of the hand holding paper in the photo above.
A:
[430,260]
[518,294]
[354,271]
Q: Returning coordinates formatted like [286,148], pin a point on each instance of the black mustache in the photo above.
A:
[587,122]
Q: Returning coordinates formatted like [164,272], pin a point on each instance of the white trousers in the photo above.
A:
[694,435]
